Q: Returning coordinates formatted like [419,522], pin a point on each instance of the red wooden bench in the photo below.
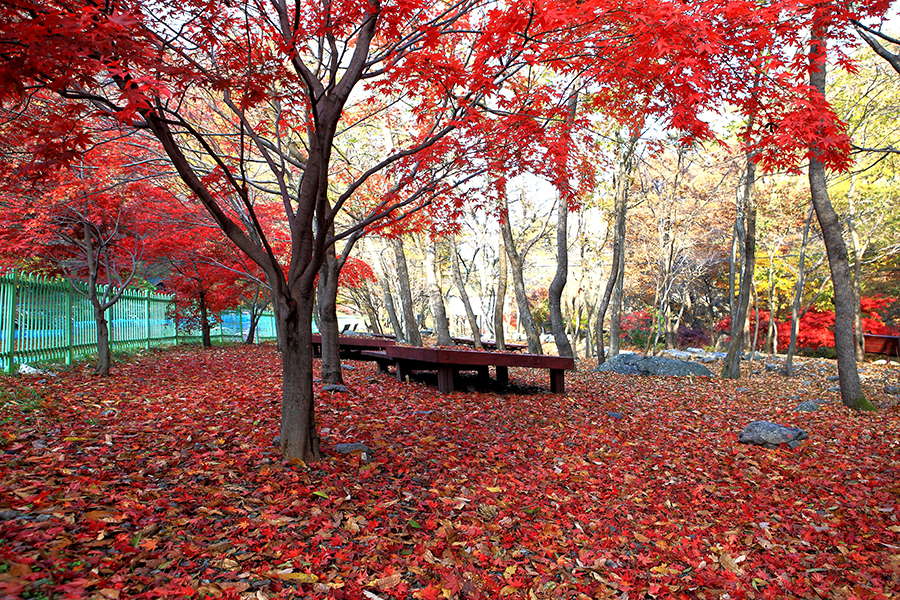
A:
[488,344]
[449,362]
[888,345]
[352,346]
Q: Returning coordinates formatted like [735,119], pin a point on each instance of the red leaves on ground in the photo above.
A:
[163,481]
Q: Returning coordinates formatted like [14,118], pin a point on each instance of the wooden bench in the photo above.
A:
[448,363]
[352,347]
[888,345]
[488,344]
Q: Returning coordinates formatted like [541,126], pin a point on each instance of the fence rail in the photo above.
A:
[43,319]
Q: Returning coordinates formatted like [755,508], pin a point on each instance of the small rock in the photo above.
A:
[708,359]
[770,435]
[365,452]
[615,415]
[9,515]
[259,584]
[880,361]
[109,412]
[611,564]
[808,406]
[772,367]
[335,387]
[348,367]
[695,350]
[29,370]
[833,378]
[892,389]
[743,390]
[423,412]
[836,388]
[43,518]
[276,441]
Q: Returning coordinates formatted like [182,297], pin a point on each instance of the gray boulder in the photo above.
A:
[770,435]
[365,452]
[335,387]
[678,354]
[808,406]
[636,364]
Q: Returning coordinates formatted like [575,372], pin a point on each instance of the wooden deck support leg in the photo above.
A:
[445,379]
[502,375]
[401,372]
[484,375]
[558,381]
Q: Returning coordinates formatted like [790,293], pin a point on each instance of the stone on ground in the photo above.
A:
[636,364]
[770,435]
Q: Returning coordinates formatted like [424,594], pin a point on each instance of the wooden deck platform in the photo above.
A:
[449,362]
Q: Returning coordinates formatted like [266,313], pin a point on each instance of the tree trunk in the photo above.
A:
[413,337]
[436,295]
[851,390]
[614,286]
[298,438]
[369,307]
[525,318]
[251,331]
[463,295]
[731,369]
[392,313]
[326,297]
[557,323]
[499,336]
[205,325]
[104,356]
[858,252]
[798,298]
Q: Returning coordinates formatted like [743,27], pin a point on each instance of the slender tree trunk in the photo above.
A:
[731,368]
[463,295]
[205,325]
[392,313]
[858,252]
[326,297]
[798,297]
[413,337]
[771,332]
[499,336]
[251,330]
[104,356]
[557,323]
[525,318]
[433,276]
[615,284]
[851,389]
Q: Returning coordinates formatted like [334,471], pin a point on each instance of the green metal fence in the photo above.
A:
[44,319]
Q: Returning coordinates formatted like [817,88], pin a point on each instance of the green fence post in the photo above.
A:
[70,317]
[147,314]
[241,324]
[8,293]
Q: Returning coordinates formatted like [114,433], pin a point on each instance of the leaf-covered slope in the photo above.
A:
[163,482]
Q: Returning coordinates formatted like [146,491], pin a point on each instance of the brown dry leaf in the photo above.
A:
[726,561]
[386,583]
[109,593]
[641,538]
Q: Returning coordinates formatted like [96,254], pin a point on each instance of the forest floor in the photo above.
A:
[162,481]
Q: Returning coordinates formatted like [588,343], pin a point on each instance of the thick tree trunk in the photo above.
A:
[433,277]
[463,295]
[392,313]
[557,323]
[525,318]
[499,336]
[298,438]
[859,250]
[731,369]
[851,390]
[413,337]
[326,297]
